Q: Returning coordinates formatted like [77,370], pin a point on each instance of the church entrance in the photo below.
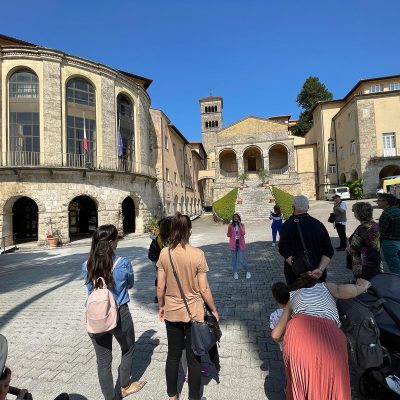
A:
[25,220]
[252,159]
[128,215]
[82,215]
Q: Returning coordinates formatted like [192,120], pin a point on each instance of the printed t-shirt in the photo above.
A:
[189,262]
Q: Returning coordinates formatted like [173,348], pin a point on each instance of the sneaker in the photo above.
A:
[248,275]
[235,275]
[273,244]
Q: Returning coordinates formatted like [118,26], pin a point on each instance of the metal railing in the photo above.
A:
[71,160]
[22,158]
[7,241]
[279,171]
[227,174]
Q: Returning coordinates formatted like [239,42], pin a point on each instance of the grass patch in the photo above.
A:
[225,206]
[284,201]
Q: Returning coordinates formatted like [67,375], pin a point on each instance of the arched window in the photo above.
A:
[24,118]
[216,124]
[126,131]
[212,124]
[81,123]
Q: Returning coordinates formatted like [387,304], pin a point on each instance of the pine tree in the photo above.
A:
[312,92]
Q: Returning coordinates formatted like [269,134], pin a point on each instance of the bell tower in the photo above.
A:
[211,120]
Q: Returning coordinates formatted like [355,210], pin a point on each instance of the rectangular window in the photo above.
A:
[350,115]
[394,86]
[375,88]
[166,142]
[181,180]
[167,174]
[389,144]
[180,154]
[332,168]
[352,147]
[331,147]
[341,153]
[175,178]
[213,164]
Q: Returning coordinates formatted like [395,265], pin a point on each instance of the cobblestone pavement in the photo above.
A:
[41,305]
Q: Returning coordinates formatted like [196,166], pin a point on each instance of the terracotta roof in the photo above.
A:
[10,41]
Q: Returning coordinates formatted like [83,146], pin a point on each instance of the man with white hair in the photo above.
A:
[316,240]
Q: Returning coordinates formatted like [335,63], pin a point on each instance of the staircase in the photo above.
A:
[255,205]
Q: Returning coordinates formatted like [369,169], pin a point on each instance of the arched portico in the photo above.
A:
[228,166]
[82,216]
[389,170]
[252,159]
[278,156]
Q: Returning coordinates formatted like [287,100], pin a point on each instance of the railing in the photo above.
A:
[279,171]
[389,152]
[7,241]
[70,160]
[227,174]
[22,158]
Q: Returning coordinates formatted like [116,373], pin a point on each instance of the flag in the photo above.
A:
[120,144]
[85,142]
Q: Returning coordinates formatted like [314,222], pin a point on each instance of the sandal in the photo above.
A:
[134,387]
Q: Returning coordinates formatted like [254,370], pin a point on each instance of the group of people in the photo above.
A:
[307,316]
[306,323]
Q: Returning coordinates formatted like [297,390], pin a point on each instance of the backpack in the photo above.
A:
[101,308]
[359,325]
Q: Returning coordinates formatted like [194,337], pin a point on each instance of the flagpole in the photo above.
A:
[83,143]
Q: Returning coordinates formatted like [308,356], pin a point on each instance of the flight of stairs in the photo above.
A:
[255,204]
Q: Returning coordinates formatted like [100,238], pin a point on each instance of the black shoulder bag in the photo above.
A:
[301,263]
[205,334]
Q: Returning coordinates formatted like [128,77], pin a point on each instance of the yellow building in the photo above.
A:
[358,137]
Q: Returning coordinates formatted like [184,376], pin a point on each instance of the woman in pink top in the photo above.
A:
[237,245]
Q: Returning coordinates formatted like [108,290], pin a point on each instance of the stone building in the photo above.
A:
[76,149]
[249,146]
[178,163]
[358,137]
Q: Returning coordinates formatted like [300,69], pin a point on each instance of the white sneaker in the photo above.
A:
[273,244]
[248,275]
[235,275]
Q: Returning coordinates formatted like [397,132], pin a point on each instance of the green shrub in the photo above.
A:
[356,189]
[225,206]
[243,177]
[284,201]
[151,225]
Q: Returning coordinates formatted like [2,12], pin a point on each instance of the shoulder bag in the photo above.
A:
[301,262]
[205,334]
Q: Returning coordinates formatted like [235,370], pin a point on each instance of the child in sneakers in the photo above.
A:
[277,218]
[281,293]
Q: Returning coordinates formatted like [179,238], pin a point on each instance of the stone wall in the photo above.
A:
[53,195]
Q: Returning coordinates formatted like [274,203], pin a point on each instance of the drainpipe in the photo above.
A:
[336,152]
[325,160]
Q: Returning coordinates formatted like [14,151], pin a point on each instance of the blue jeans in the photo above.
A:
[239,254]
[125,334]
[276,228]
[391,252]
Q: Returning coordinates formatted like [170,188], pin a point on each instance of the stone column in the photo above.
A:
[240,163]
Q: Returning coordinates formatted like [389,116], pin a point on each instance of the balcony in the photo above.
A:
[22,159]
[386,153]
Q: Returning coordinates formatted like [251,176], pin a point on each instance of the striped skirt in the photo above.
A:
[316,363]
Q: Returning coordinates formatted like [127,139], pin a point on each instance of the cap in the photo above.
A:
[3,354]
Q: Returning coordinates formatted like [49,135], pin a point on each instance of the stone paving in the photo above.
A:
[41,305]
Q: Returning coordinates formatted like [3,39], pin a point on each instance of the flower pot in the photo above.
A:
[53,241]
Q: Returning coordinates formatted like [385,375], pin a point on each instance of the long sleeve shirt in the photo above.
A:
[389,223]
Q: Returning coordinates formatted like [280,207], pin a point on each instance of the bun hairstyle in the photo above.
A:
[180,230]
[101,255]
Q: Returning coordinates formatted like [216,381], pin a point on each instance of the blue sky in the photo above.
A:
[256,54]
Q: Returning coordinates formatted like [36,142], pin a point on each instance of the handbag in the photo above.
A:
[205,334]
[301,262]
[331,218]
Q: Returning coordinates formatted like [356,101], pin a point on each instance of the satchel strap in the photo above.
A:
[179,285]
[297,221]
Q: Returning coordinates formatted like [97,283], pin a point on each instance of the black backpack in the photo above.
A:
[362,332]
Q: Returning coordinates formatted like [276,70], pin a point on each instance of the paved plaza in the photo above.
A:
[41,307]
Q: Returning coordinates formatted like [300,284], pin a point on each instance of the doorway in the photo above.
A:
[25,220]
[82,216]
[128,215]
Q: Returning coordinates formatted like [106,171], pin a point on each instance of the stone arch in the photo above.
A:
[83,215]
[353,175]
[17,68]
[7,205]
[389,170]
[80,76]
[25,219]
[252,159]
[228,166]
[176,204]
[128,215]
[342,178]
[100,204]
[278,155]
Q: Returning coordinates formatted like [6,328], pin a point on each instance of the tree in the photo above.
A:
[311,93]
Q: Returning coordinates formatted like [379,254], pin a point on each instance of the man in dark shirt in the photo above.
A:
[389,225]
[316,238]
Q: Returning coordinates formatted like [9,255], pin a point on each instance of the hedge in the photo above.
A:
[284,201]
[225,206]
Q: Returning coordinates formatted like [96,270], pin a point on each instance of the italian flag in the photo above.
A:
[85,142]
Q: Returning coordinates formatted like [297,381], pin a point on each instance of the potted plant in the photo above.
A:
[264,175]
[52,235]
[243,177]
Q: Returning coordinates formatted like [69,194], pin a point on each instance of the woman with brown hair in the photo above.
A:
[314,347]
[191,268]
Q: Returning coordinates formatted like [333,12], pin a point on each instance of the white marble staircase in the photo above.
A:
[253,202]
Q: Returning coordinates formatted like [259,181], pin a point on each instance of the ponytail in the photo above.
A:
[101,255]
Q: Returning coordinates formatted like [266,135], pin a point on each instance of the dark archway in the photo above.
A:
[389,170]
[252,159]
[354,175]
[82,216]
[25,220]
[128,215]
[342,178]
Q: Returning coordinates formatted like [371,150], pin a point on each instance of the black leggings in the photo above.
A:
[177,332]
